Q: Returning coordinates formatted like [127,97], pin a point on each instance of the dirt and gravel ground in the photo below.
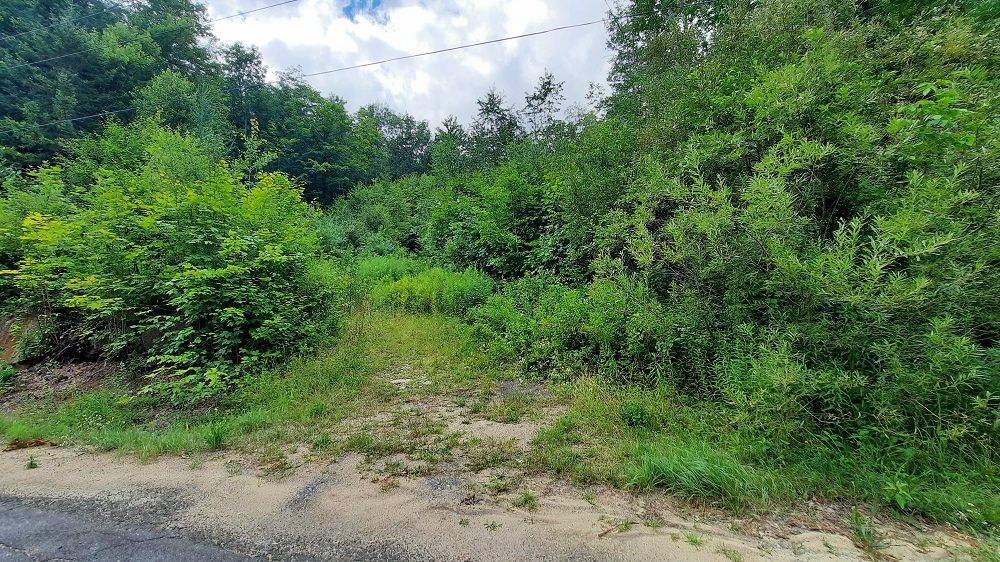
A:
[79,505]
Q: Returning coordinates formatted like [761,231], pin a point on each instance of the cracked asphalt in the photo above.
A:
[44,533]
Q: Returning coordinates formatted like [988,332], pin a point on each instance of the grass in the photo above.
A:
[694,539]
[649,438]
[306,397]
[864,533]
[526,501]
[694,470]
[492,453]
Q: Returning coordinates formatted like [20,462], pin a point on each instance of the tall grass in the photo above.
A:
[694,470]
[435,290]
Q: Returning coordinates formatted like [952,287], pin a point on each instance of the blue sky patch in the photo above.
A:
[357,7]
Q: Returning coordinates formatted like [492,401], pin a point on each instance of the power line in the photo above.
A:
[58,23]
[492,41]
[532,34]
[438,51]
[151,35]
[96,115]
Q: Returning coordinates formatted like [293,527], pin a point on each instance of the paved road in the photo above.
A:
[36,534]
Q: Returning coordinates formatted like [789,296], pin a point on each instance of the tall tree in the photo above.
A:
[542,105]
[450,149]
[496,126]
[315,139]
[405,140]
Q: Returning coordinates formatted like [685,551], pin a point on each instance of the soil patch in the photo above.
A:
[44,380]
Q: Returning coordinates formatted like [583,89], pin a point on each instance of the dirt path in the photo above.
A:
[336,512]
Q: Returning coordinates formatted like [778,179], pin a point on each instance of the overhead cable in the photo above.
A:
[373,63]
[151,35]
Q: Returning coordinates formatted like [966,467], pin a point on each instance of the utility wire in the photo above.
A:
[492,41]
[560,28]
[438,51]
[96,115]
[58,23]
[151,35]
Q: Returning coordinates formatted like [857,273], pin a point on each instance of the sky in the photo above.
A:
[317,35]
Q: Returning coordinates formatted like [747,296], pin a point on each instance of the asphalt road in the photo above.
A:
[43,533]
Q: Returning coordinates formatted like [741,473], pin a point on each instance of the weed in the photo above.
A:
[463,522]
[377,447]
[988,550]
[589,498]
[826,543]
[274,462]
[492,453]
[635,415]
[492,526]
[730,553]
[526,501]
[498,484]
[694,539]
[512,408]
[798,548]
[478,407]
[324,441]
[6,374]
[216,436]
[864,533]
[32,463]
[653,521]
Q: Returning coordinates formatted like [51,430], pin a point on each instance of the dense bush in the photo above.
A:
[809,240]
[176,259]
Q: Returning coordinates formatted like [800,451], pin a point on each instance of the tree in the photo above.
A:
[495,127]
[315,139]
[244,78]
[405,142]
[542,105]
[450,149]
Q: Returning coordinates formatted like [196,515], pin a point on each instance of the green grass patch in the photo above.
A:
[695,471]
[308,396]
[436,290]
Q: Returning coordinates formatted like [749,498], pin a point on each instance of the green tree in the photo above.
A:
[496,126]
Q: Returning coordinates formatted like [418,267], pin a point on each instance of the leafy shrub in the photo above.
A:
[537,323]
[616,324]
[635,415]
[6,374]
[436,290]
[179,260]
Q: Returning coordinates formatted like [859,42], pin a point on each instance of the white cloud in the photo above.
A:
[316,36]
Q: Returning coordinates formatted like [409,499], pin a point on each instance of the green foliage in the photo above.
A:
[635,415]
[119,50]
[384,216]
[382,270]
[435,290]
[526,501]
[698,472]
[6,375]
[788,217]
[178,259]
